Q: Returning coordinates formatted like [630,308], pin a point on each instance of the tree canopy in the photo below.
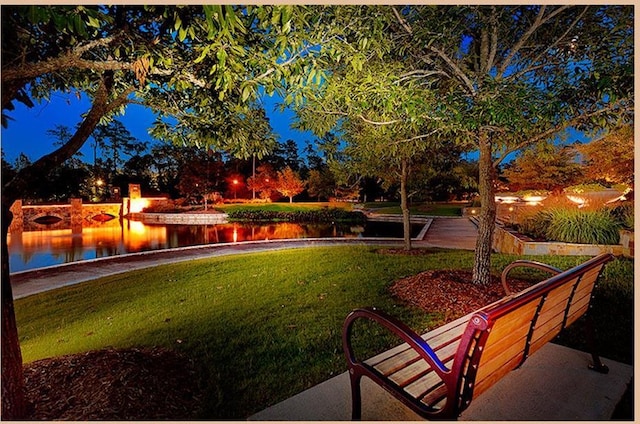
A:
[389,80]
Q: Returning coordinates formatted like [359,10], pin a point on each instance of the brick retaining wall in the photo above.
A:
[507,242]
[180,218]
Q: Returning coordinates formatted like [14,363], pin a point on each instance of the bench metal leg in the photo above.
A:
[597,364]
[356,399]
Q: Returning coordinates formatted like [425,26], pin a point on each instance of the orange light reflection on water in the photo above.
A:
[37,249]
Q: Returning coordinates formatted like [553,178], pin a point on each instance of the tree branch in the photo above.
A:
[418,137]
[493,49]
[378,123]
[420,73]
[456,70]
[403,21]
[555,43]
[551,131]
[540,20]
[100,108]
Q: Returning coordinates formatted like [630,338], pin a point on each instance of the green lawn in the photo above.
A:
[283,207]
[434,209]
[264,326]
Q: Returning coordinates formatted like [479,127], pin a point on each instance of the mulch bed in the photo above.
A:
[450,292]
[131,384]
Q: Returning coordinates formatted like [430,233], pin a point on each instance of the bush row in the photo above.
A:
[318,215]
[569,225]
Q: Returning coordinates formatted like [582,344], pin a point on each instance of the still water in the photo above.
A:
[47,247]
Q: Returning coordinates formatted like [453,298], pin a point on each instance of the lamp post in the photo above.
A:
[235,186]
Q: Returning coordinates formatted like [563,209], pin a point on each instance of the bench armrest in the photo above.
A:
[396,327]
[530,264]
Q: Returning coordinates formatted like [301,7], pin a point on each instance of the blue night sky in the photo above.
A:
[27,132]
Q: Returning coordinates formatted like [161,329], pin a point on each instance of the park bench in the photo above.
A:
[439,374]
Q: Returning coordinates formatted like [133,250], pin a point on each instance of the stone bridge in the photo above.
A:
[75,215]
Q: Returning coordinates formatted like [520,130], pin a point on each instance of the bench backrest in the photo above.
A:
[502,336]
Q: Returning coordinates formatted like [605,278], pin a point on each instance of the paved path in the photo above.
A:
[458,233]
[555,384]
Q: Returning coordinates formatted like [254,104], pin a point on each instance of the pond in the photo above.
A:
[36,249]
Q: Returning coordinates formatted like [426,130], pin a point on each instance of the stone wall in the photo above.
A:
[181,218]
[628,243]
[506,242]
[75,215]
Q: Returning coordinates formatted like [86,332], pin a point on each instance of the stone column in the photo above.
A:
[76,216]
[134,191]
[17,224]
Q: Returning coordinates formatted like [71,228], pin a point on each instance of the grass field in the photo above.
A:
[265,326]
[433,209]
[283,207]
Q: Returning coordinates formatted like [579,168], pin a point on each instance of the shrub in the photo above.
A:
[535,226]
[624,214]
[165,206]
[320,215]
[574,226]
[582,188]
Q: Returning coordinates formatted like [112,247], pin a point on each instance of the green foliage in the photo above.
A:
[309,216]
[543,167]
[584,188]
[572,225]
[624,214]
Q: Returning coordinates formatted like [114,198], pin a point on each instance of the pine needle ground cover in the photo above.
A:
[260,327]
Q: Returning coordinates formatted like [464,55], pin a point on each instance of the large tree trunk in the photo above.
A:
[14,405]
[404,205]
[487,218]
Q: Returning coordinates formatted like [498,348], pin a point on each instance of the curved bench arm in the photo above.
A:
[399,329]
[530,264]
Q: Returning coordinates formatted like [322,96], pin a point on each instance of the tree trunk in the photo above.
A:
[487,218]
[406,219]
[14,404]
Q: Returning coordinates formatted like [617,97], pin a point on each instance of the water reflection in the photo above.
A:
[36,249]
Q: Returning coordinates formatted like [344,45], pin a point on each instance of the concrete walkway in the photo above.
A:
[455,233]
[553,385]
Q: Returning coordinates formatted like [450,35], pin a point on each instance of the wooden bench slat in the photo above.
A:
[506,325]
[499,354]
[446,342]
[481,385]
[422,386]
[451,329]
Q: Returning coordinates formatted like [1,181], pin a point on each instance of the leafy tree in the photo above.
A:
[114,141]
[544,166]
[370,107]
[610,159]
[321,183]
[518,75]
[264,182]
[200,65]
[201,174]
[138,169]
[506,77]
[289,184]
